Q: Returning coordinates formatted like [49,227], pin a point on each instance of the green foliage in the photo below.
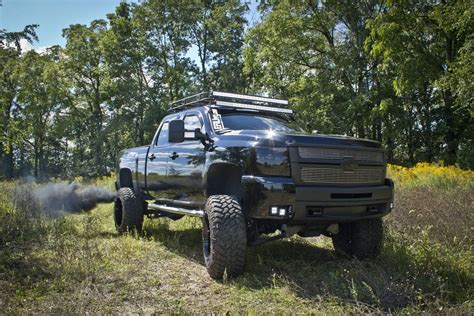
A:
[399,72]
[393,71]
[69,111]
[10,121]
[427,45]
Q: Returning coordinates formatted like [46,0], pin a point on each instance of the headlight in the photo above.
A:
[271,161]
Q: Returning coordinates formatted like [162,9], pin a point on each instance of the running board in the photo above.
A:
[185,204]
[176,210]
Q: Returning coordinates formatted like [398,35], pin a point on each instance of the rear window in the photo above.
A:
[254,122]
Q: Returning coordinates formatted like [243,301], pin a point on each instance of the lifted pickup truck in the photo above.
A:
[236,162]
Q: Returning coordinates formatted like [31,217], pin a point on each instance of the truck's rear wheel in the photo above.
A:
[128,211]
[361,239]
[224,237]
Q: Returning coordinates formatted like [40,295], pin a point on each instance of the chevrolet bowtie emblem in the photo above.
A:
[348,164]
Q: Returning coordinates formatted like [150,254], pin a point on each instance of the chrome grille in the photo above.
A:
[361,175]
[335,153]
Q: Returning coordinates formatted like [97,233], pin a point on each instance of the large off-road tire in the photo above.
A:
[128,211]
[361,239]
[224,237]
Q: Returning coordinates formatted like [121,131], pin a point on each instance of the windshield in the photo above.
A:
[254,122]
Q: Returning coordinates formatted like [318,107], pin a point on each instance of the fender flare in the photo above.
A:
[125,178]
[224,178]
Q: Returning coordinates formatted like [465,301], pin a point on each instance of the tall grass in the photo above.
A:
[435,201]
[432,229]
[435,176]
[78,264]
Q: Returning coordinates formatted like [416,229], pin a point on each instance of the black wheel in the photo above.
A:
[128,211]
[361,239]
[224,237]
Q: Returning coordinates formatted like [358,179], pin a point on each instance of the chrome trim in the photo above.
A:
[339,153]
[360,175]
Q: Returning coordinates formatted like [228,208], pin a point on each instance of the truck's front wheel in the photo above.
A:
[224,237]
[128,211]
[361,239]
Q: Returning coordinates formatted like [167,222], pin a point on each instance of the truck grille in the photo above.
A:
[361,175]
[335,153]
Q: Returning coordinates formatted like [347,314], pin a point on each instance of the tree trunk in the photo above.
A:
[7,159]
[390,149]
[9,166]
[452,130]
[36,164]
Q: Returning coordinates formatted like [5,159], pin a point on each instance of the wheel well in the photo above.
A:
[125,178]
[224,178]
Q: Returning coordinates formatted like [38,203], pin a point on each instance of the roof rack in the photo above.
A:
[219,99]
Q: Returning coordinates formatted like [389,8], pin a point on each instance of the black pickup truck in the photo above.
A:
[238,162]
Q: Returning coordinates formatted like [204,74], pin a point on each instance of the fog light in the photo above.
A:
[391,206]
[274,210]
[281,210]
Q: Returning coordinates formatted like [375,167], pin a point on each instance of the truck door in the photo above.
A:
[186,162]
[156,164]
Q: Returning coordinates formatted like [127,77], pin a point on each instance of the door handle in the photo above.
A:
[152,157]
[174,156]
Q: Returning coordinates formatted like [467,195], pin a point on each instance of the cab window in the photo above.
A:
[191,122]
[163,135]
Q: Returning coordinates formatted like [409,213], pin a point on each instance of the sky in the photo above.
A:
[55,15]
[52,16]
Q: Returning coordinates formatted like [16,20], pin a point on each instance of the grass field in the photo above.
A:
[77,263]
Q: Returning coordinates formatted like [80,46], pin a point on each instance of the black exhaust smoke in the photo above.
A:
[56,198]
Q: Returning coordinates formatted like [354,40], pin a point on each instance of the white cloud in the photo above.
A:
[26,46]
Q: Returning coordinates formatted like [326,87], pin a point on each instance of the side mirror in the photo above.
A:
[176,131]
[199,135]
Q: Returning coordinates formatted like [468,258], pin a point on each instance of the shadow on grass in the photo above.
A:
[22,267]
[186,242]
[393,281]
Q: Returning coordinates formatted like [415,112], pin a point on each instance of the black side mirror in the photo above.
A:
[204,138]
[199,135]
[176,131]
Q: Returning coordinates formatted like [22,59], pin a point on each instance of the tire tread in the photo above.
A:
[132,211]
[228,236]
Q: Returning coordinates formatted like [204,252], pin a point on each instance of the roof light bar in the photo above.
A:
[233,100]
[253,107]
[248,97]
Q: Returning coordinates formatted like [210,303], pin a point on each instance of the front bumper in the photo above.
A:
[315,204]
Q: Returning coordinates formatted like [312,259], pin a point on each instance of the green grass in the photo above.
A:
[77,264]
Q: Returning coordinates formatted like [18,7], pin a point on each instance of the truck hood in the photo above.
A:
[278,138]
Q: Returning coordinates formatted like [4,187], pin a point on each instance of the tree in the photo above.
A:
[314,54]
[133,90]
[424,45]
[40,96]
[85,65]
[166,28]
[395,71]
[9,56]
[217,29]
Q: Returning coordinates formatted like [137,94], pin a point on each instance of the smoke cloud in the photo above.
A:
[68,198]
[55,199]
